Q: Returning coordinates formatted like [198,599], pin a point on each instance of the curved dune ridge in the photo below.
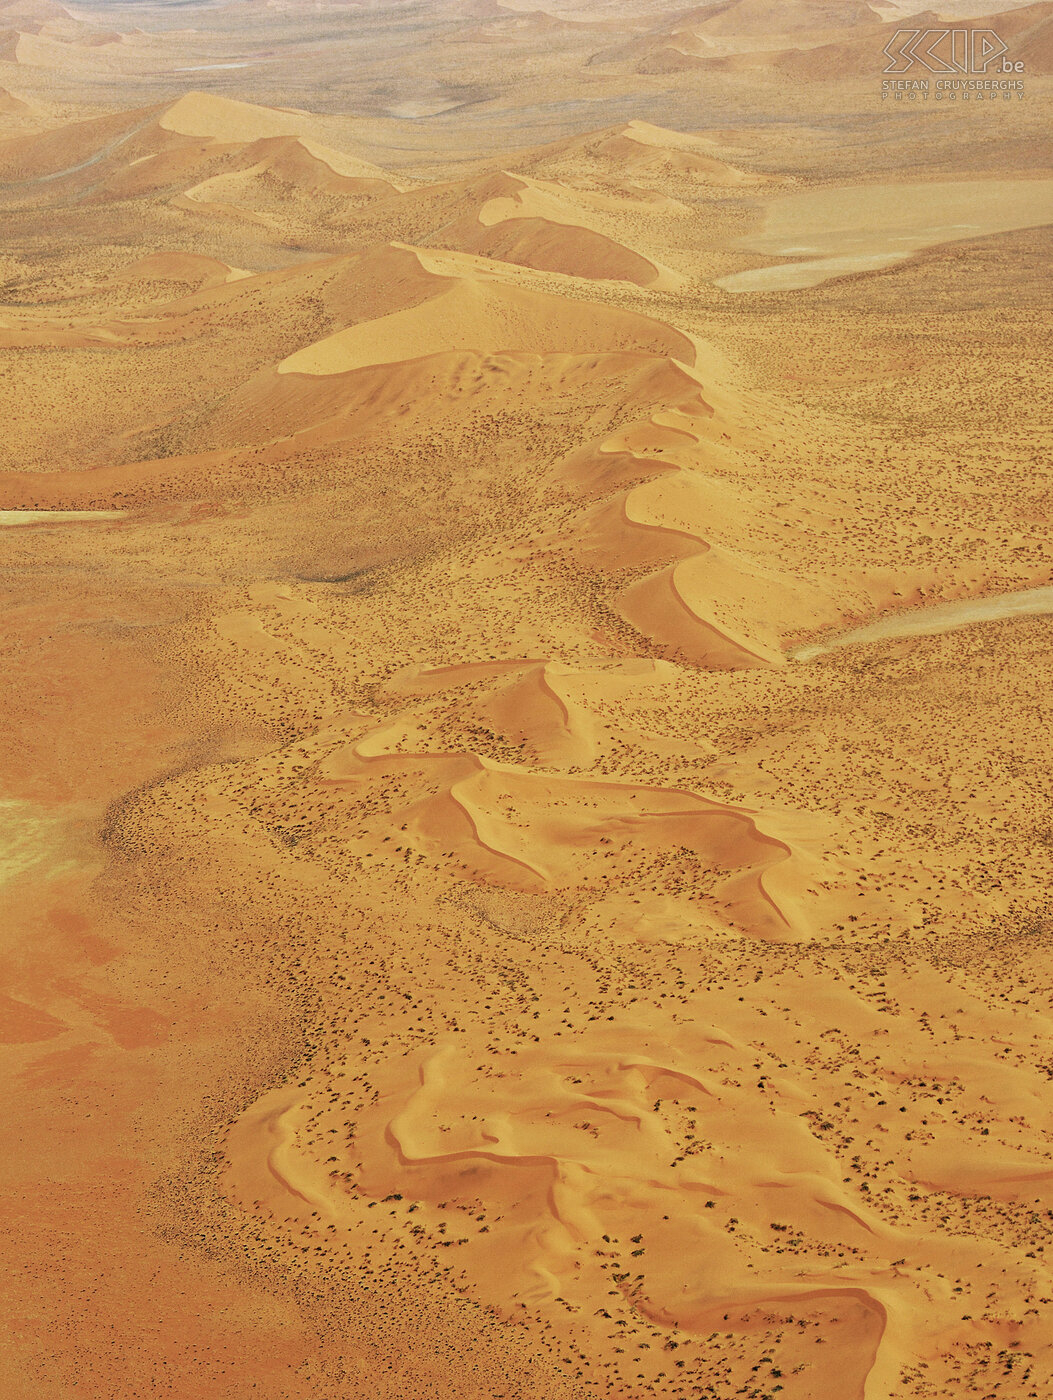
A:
[645,1170]
[469,312]
[550,710]
[707,605]
[640,150]
[12,106]
[289,414]
[812,39]
[286,165]
[828,56]
[385,281]
[515,827]
[200,272]
[293,161]
[224,119]
[425,328]
[481,966]
[459,327]
[753,17]
[489,307]
[535,822]
[553,245]
[306,407]
[698,602]
[175,147]
[552,227]
[265,166]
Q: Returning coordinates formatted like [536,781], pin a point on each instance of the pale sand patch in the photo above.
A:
[862,228]
[485,318]
[29,836]
[55,517]
[941,617]
[414,111]
[207,116]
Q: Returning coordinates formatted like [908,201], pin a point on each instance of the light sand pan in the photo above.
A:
[56,517]
[862,228]
[941,617]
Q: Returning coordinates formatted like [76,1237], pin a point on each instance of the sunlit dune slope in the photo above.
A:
[466,311]
[179,147]
[529,850]
[181,269]
[638,152]
[551,227]
[433,313]
[1028,31]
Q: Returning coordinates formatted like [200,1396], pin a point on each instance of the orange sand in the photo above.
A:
[525,843]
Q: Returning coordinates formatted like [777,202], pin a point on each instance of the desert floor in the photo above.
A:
[526,799]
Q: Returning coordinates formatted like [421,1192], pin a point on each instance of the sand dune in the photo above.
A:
[545,226]
[808,44]
[420,301]
[12,106]
[711,607]
[644,149]
[639,150]
[809,40]
[699,611]
[33,11]
[485,317]
[176,146]
[591,1162]
[526,838]
[188,269]
[1028,30]
[517,826]
[272,421]
[698,602]
[203,115]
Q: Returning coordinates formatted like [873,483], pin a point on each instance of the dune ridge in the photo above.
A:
[475,933]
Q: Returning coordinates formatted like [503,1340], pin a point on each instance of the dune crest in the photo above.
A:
[643,1169]
[526,834]
[478,314]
